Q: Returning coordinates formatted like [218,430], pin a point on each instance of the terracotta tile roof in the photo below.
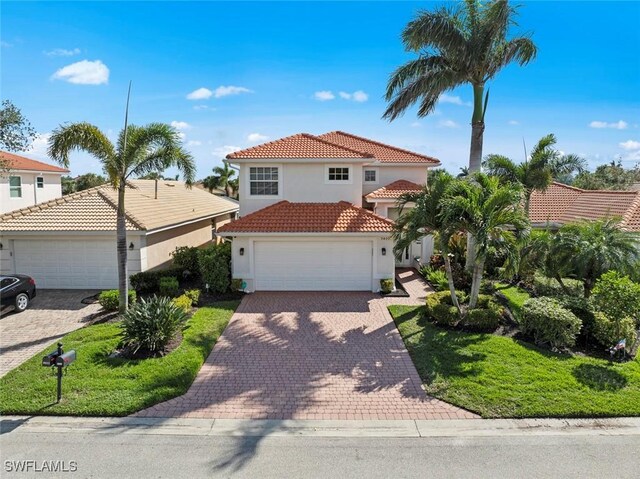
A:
[301,145]
[335,144]
[380,151]
[394,190]
[564,204]
[17,162]
[95,209]
[286,217]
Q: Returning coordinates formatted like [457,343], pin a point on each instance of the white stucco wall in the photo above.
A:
[303,182]
[31,195]
[389,174]
[243,265]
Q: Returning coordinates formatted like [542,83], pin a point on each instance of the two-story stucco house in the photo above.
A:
[316,212]
[28,182]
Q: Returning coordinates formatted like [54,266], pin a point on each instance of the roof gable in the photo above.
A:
[394,190]
[286,217]
[301,145]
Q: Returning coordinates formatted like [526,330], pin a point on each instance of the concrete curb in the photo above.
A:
[321,428]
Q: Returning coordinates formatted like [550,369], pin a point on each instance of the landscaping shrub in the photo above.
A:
[151,324]
[236,284]
[440,309]
[186,259]
[215,266]
[545,286]
[183,302]
[486,317]
[583,309]
[193,295]
[110,299]
[436,261]
[607,332]
[438,280]
[168,286]
[549,323]
[617,296]
[148,281]
[387,285]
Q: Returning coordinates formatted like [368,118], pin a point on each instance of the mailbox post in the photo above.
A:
[59,359]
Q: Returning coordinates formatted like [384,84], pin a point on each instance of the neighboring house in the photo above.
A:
[70,242]
[27,182]
[561,204]
[317,212]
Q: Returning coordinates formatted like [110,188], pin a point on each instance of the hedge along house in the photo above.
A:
[70,242]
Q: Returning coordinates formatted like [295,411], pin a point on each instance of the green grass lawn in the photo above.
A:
[497,376]
[515,296]
[96,385]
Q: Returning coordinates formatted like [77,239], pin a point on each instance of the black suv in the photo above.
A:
[17,290]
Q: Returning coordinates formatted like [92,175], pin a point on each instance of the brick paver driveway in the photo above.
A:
[309,356]
[52,314]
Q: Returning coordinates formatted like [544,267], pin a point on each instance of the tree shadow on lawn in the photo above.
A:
[599,377]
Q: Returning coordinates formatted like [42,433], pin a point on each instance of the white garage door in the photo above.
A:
[68,264]
[313,266]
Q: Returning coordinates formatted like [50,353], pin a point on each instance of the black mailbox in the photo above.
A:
[66,358]
[50,359]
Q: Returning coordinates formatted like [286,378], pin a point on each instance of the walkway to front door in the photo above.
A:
[334,355]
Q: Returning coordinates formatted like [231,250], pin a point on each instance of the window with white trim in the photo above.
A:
[39,182]
[370,176]
[263,181]
[338,173]
[15,187]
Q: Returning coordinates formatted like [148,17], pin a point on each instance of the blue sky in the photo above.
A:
[269,69]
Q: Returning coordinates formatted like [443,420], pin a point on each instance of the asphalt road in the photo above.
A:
[132,455]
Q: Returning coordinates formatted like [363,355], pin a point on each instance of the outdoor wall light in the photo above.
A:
[1,246]
[241,251]
[384,251]
[131,245]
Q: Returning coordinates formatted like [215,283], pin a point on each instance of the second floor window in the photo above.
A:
[15,187]
[40,182]
[370,176]
[338,174]
[263,181]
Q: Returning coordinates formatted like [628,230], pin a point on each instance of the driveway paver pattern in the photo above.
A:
[314,355]
[52,314]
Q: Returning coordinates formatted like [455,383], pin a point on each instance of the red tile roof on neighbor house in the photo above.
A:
[335,144]
[17,162]
[394,190]
[562,204]
[286,217]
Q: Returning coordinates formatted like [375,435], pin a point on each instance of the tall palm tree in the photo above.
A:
[222,178]
[536,172]
[587,249]
[465,44]
[491,212]
[426,217]
[139,150]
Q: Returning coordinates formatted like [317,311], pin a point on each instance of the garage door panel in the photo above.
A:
[313,266]
[68,264]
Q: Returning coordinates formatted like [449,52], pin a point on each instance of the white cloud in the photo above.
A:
[230,90]
[514,122]
[448,124]
[222,151]
[84,72]
[200,94]
[180,125]
[358,96]
[454,100]
[256,137]
[62,52]
[630,145]
[618,125]
[323,95]
[194,143]
[203,107]
[182,135]
[39,147]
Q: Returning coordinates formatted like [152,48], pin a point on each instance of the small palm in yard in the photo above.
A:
[588,249]
[537,172]
[139,150]
[426,217]
[491,212]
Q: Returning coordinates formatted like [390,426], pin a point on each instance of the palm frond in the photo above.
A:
[80,137]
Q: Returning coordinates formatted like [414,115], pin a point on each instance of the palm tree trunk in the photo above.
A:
[478,269]
[475,156]
[122,249]
[452,287]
